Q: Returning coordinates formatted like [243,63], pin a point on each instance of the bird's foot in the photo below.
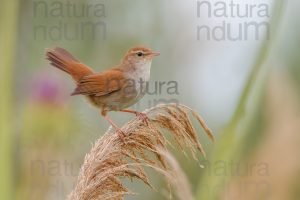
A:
[140,115]
[121,134]
[143,117]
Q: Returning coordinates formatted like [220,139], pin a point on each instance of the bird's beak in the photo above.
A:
[155,54]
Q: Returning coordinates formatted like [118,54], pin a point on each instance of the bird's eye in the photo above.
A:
[139,54]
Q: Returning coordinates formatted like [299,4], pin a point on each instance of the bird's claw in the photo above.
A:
[143,117]
[121,135]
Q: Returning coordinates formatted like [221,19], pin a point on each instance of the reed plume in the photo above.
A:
[145,146]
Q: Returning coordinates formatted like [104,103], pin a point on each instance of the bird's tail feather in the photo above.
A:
[63,60]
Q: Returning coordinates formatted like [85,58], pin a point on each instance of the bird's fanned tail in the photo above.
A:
[63,60]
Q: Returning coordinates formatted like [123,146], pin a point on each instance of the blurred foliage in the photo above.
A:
[246,124]
[8,32]
[39,122]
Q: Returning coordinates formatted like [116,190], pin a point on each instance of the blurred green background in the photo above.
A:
[247,90]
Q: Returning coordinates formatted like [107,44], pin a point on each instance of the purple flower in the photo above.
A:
[48,88]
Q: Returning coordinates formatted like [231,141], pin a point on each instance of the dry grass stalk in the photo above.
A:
[176,177]
[110,159]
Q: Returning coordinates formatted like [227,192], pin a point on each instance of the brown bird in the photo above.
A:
[111,90]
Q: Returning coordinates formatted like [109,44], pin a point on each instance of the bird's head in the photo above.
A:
[139,55]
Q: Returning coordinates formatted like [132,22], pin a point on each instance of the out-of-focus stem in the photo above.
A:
[8,24]
[229,144]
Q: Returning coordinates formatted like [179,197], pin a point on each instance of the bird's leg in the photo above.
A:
[140,115]
[120,133]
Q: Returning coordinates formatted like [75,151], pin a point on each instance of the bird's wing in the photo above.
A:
[100,84]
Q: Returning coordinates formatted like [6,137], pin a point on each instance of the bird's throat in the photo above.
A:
[140,71]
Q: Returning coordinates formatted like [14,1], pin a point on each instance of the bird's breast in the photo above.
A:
[139,77]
